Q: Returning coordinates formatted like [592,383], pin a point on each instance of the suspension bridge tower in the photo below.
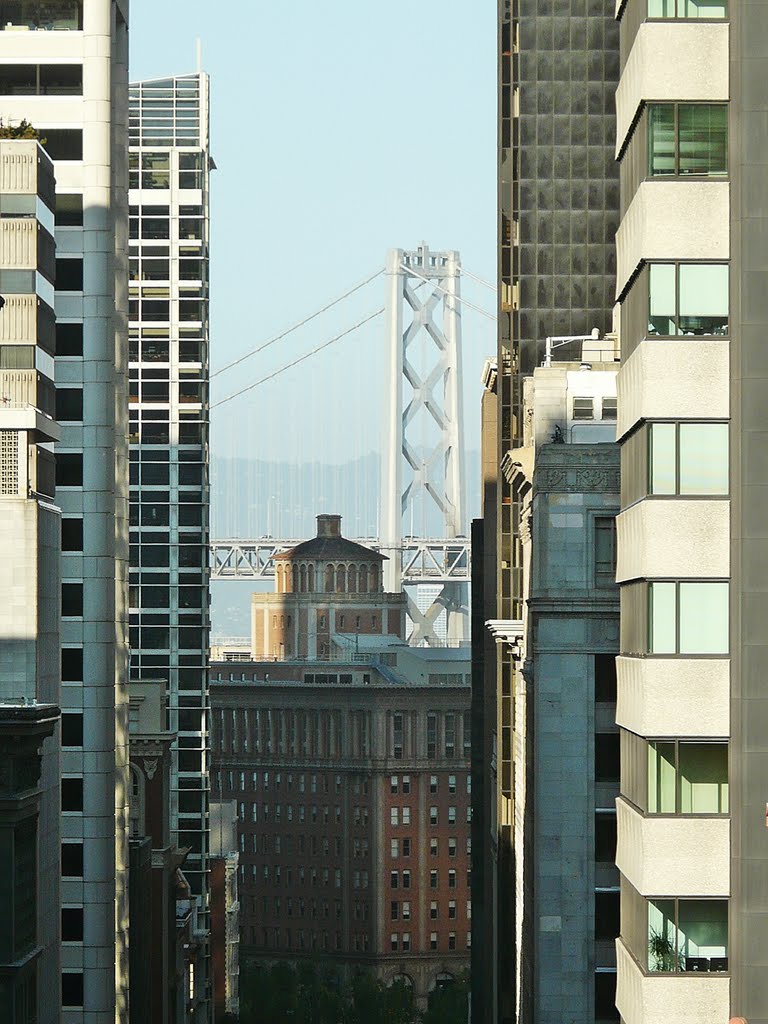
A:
[422,482]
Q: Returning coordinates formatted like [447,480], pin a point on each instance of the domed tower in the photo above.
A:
[328,592]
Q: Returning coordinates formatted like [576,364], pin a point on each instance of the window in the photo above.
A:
[62,143]
[605,678]
[450,735]
[451,784]
[609,408]
[406,879]
[72,860]
[687,9]
[394,910]
[605,551]
[71,534]
[687,935]
[394,848]
[605,837]
[72,794]
[433,879]
[72,924]
[69,339]
[393,784]
[433,784]
[393,941]
[72,664]
[605,996]
[452,847]
[397,736]
[433,847]
[406,847]
[69,404]
[69,208]
[688,299]
[688,618]
[431,735]
[451,815]
[72,988]
[405,909]
[394,879]
[406,784]
[688,458]
[71,599]
[69,274]
[583,408]
[69,469]
[451,879]
[406,815]
[687,778]
[687,139]
[394,815]
[433,815]
[433,911]
[607,757]
[72,729]
[607,923]
[452,910]
[406,942]
[433,940]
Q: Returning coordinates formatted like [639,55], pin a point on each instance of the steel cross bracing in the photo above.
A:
[422,477]
[423,560]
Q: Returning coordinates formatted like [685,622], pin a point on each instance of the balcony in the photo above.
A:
[665,853]
[660,998]
[673,696]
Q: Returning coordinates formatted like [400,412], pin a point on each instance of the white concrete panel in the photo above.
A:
[677,378]
[661,998]
[670,61]
[674,537]
[674,696]
[664,856]
[682,220]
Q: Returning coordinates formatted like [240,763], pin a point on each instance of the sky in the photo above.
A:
[339,130]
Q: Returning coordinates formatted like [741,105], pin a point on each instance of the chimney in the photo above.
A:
[328,526]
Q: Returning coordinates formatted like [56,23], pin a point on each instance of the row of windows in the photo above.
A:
[442,734]
[402,815]
[273,905]
[402,941]
[675,776]
[688,9]
[275,874]
[396,784]
[267,730]
[267,780]
[152,170]
[401,910]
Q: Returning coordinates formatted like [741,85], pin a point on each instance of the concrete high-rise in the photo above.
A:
[558,209]
[30,549]
[169,604]
[691,260]
[63,67]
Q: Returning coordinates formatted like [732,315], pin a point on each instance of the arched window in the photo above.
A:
[374,579]
[351,580]
[330,579]
[303,579]
[295,579]
[363,580]
[341,580]
[311,579]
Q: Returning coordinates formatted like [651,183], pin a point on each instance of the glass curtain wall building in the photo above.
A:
[168,411]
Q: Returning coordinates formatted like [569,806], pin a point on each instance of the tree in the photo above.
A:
[448,1003]
[22,130]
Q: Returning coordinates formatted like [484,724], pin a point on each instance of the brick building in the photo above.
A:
[351,776]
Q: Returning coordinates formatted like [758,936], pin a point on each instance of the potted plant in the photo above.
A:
[662,954]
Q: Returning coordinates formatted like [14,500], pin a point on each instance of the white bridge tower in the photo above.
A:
[422,482]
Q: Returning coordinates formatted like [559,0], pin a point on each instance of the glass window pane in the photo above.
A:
[703,138]
[703,778]
[662,298]
[661,9]
[704,298]
[661,136]
[703,934]
[662,618]
[662,936]
[662,458]
[703,8]
[661,778]
[703,618]
[703,458]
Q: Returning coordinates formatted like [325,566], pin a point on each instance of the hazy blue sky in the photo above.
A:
[339,130]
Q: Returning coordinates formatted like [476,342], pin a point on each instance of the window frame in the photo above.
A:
[649,613]
[678,264]
[677,424]
[676,105]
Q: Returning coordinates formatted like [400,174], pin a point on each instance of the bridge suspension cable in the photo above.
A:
[299,359]
[480,280]
[456,298]
[295,327]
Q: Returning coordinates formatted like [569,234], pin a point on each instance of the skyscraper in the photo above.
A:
[63,67]
[558,208]
[169,183]
[691,259]
[30,535]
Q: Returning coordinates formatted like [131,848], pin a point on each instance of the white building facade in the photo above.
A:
[63,67]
